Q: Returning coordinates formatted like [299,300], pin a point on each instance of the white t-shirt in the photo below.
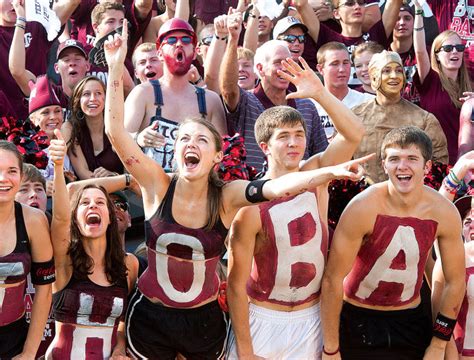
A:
[353,98]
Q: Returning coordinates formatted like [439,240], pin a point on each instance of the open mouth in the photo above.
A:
[191,160]
[243,77]
[179,55]
[5,188]
[404,178]
[52,126]
[93,219]
[150,75]
[34,204]
[73,73]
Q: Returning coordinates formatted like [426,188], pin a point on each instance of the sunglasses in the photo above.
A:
[207,40]
[449,48]
[292,38]
[351,3]
[171,40]
[120,205]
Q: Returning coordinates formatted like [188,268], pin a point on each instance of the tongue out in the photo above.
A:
[191,161]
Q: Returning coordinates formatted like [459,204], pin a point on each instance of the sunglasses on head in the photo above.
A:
[120,205]
[206,40]
[171,40]
[351,3]
[292,38]
[449,48]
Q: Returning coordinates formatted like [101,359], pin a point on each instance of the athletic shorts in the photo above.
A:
[155,331]
[283,334]
[367,334]
[12,338]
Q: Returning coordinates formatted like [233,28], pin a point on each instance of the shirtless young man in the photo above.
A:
[378,257]
[285,239]
[178,100]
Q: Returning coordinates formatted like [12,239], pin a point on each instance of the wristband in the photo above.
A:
[21,18]
[43,273]
[252,15]
[419,29]
[127,180]
[443,327]
[21,26]
[419,12]
[220,38]
[254,191]
[330,353]
[453,177]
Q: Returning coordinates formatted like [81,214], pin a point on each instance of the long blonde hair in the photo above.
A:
[454,88]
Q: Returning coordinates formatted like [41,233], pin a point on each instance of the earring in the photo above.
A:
[80,115]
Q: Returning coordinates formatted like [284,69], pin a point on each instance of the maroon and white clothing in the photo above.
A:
[288,267]
[464,330]
[389,267]
[36,42]
[99,308]
[182,261]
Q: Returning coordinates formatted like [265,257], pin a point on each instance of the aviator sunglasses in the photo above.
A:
[171,40]
[449,48]
[351,3]
[292,38]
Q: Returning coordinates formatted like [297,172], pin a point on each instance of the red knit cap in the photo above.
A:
[42,95]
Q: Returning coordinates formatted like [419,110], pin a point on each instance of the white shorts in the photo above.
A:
[283,334]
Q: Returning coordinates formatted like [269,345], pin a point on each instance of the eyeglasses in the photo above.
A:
[171,40]
[449,48]
[351,3]
[206,40]
[120,205]
[292,38]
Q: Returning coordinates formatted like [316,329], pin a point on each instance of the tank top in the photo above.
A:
[288,267]
[14,269]
[182,261]
[389,267]
[169,128]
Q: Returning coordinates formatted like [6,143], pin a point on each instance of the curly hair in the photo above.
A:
[82,263]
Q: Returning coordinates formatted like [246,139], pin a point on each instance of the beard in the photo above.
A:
[179,63]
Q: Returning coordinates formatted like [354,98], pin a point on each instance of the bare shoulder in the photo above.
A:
[213,98]
[34,218]
[441,209]
[131,262]
[143,89]
[246,224]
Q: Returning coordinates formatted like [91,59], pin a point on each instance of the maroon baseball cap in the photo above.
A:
[70,43]
[42,95]
[464,205]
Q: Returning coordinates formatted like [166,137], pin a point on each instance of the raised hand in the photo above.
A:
[234,23]
[19,7]
[57,149]
[351,170]
[150,137]
[306,81]
[220,26]
[115,47]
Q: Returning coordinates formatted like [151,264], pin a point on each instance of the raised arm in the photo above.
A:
[65,8]
[242,235]
[17,54]
[309,18]
[149,174]
[182,10]
[215,53]
[61,222]
[390,15]
[229,73]
[371,17]
[349,127]
[346,243]
[251,32]
[464,164]
[465,127]
[423,64]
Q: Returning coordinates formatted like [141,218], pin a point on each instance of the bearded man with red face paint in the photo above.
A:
[155,109]
[377,261]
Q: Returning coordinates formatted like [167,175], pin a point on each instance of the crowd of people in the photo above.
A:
[305,169]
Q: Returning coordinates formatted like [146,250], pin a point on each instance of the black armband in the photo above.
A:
[443,327]
[43,273]
[254,191]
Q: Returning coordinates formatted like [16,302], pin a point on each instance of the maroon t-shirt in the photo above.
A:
[455,15]
[36,42]
[207,10]
[82,31]
[6,109]
[434,99]
[410,91]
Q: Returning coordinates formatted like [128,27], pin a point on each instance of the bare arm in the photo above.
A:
[251,32]
[135,106]
[460,169]
[309,18]
[242,237]
[349,127]
[17,54]
[350,231]
[217,114]
[371,17]
[390,15]
[229,73]
[65,8]
[465,128]
[182,9]
[423,64]
[79,163]
[149,174]
[110,184]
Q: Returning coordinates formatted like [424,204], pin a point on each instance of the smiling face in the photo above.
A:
[124,220]
[361,64]
[404,25]
[247,77]
[195,150]
[268,70]
[450,60]
[48,119]
[265,26]
[296,48]
[72,66]
[32,194]
[93,98]
[286,147]
[10,175]
[92,213]
[148,66]
[405,168]
[336,69]
[468,226]
[392,79]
